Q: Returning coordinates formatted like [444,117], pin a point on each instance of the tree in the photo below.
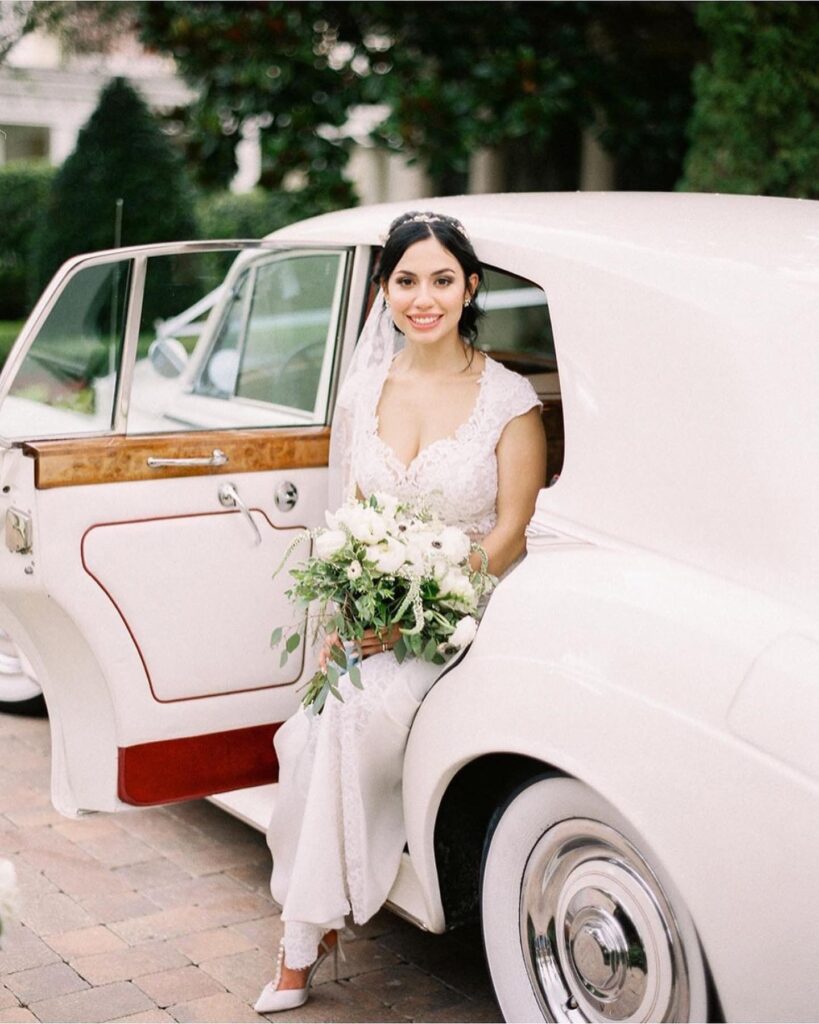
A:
[121,153]
[525,79]
[276,64]
[754,126]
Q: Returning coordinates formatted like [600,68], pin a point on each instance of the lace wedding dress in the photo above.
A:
[337,831]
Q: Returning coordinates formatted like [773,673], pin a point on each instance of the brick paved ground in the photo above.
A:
[165,915]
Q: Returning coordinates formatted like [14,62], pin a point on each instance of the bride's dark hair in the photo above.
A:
[414,227]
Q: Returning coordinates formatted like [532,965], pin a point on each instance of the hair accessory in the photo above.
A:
[431,218]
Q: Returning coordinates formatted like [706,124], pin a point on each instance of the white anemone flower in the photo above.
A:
[330,543]
[388,556]
[354,570]
[453,544]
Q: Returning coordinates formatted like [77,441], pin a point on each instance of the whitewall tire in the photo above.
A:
[579,921]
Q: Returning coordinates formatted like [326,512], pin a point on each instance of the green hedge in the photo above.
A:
[254,214]
[23,192]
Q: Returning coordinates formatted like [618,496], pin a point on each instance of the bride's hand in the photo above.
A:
[375,643]
[330,641]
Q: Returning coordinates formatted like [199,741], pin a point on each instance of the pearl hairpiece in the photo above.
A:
[428,218]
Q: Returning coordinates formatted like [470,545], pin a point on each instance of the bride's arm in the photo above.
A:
[521,454]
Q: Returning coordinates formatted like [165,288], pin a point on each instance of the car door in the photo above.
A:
[165,415]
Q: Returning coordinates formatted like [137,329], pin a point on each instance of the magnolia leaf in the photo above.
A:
[400,650]
[355,677]
[293,642]
[430,650]
[276,636]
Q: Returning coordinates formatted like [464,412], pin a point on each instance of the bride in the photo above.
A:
[438,423]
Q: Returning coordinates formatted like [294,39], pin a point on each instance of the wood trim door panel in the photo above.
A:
[72,462]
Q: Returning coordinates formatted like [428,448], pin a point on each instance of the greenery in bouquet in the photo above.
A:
[377,565]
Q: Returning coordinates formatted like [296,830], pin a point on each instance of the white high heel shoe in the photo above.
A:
[274,1000]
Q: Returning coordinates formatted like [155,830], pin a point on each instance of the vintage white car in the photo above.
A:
[622,775]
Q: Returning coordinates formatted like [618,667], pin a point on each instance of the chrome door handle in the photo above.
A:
[229,498]
[216,458]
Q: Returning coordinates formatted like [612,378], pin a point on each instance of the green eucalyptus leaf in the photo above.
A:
[283,658]
[355,677]
[293,642]
[276,636]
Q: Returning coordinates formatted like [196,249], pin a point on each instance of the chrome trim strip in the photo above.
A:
[133,318]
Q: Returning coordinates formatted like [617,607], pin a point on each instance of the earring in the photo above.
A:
[467,301]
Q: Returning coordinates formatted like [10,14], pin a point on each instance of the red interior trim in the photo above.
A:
[197,766]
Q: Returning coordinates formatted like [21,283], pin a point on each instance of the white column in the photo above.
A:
[486,171]
[62,138]
[248,158]
[597,167]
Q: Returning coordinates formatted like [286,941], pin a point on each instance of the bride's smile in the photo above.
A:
[426,293]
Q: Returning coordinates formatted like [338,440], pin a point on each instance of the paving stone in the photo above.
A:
[200,891]
[37,815]
[156,1016]
[18,1016]
[94,1004]
[22,949]
[265,933]
[74,872]
[89,826]
[218,1008]
[165,924]
[182,985]
[42,982]
[407,991]
[53,912]
[255,875]
[361,956]
[109,908]
[118,850]
[152,874]
[7,998]
[85,942]
[129,963]
[210,945]
[481,1012]
[243,974]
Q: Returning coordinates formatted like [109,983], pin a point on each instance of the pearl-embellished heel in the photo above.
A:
[275,1000]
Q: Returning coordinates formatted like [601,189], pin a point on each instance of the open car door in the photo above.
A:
[165,421]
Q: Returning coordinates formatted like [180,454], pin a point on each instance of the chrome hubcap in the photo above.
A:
[599,937]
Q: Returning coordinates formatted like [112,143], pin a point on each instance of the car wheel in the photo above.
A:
[20,693]
[579,921]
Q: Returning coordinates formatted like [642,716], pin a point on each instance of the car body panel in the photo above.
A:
[654,643]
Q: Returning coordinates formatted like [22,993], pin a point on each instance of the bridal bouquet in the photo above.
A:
[379,564]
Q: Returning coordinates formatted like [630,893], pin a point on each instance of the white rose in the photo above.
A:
[453,544]
[455,584]
[329,543]
[388,556]
[354,570]
[464,632]
[387,503]
[367,525]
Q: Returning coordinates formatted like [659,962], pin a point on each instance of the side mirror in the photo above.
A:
[168,356]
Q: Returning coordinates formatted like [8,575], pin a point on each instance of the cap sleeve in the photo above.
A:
[512,396]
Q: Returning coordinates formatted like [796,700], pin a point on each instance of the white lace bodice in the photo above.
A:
[457,476]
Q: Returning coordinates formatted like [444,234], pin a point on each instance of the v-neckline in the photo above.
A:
[405,468]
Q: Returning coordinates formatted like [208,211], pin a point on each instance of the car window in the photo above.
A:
[66,383]
[262,357]
[517,324]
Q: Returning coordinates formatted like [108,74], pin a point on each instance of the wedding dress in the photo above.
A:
[337,831]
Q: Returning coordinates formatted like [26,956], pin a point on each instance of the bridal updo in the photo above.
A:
[415,226]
